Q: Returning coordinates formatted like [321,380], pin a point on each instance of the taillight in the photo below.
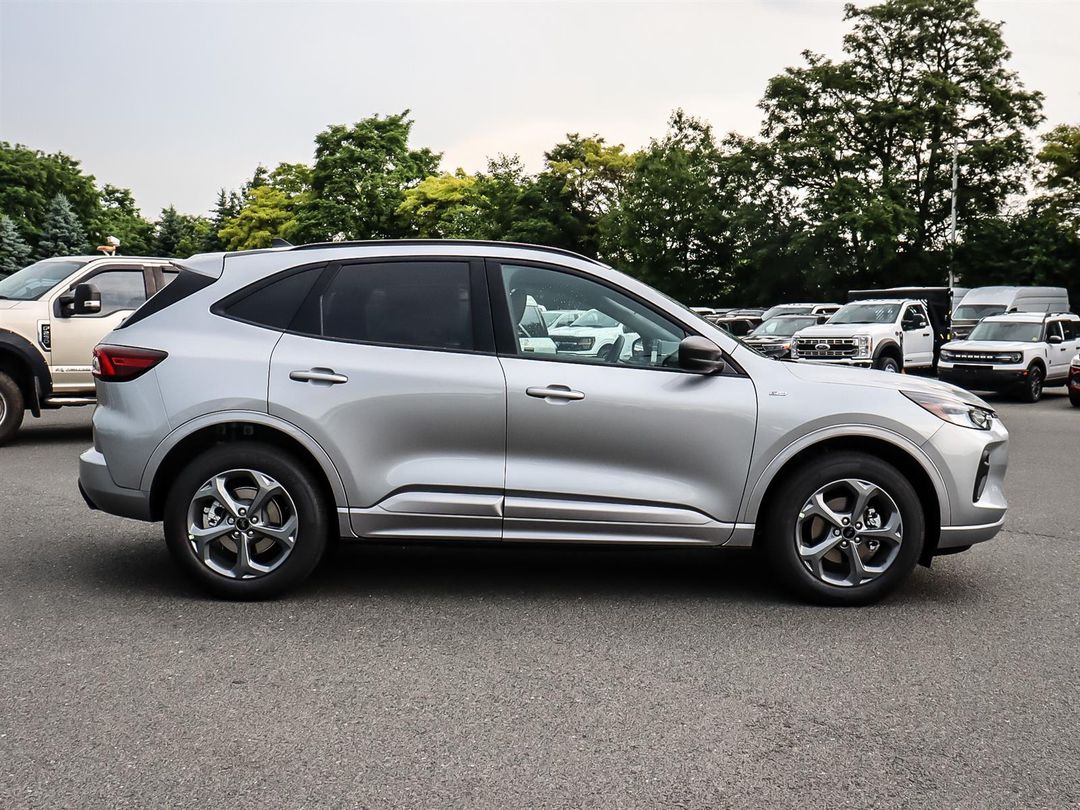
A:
[123,363]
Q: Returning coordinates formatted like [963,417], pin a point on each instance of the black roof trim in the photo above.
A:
[473,242]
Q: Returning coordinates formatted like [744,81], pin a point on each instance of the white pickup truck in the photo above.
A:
[890,334]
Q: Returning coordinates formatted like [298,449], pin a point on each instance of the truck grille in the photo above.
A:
[824,348]
[973,357]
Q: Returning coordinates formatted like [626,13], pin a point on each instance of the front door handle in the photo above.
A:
[319,375]
[555,392]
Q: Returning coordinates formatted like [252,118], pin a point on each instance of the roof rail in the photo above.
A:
[473,242]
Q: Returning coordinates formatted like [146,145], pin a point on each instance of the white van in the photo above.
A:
[982,302]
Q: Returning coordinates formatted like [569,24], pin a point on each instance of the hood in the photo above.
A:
[844,329]
[4,304]
[987,346]
[583,331]
[868,378]
[768,339]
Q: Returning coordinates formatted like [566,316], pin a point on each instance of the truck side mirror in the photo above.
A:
[1054,339]
[85,299]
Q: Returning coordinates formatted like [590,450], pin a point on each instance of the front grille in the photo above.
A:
[837,347]
[973,357]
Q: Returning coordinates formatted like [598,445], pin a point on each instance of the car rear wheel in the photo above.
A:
[1032,389]
[1074,398]
[844,530]
[12,408]
[246,521]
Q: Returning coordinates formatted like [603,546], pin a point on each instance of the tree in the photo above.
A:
[360,177]
[268,213]
[61,234]
[867,141]
[1059,172]
[120,217]
[179,235]
[31,179]
[14,251]
[672,228]
[228,206]
[445,206]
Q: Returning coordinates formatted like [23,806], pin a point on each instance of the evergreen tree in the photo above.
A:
[14,252]
[169,232]
[226,208]
[62,234]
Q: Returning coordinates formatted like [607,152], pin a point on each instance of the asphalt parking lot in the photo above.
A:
[511,677]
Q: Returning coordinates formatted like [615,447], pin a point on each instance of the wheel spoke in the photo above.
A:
[243,557]
[268,488]
[201,536]
[891,532]
[856,571]
[819,550]
[816,506]
[863,493]
[284,534]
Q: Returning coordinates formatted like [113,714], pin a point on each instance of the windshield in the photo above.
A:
[782,327]
[786,309]
[1004,330]
[32,282]
[976,312]
[596,319]
[866,313]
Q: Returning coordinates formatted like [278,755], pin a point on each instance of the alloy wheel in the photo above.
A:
[242,524]
[849,532]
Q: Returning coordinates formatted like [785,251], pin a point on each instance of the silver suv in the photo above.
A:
[267,402]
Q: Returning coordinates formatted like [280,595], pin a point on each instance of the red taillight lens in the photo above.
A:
[123,363]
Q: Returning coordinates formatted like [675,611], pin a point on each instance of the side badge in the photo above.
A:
[45,335]
[778,393]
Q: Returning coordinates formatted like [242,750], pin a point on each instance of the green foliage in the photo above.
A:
[1059,173]
[868,141]
[30,181]
[179,235]
[446,206]
[14,251]
[268,212]
[360,177]
[228,205]
[120,217]
[61,234]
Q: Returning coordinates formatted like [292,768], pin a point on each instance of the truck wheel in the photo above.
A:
[1032,389]
[12,408]
[887,363]
[1074,398]
[845,529]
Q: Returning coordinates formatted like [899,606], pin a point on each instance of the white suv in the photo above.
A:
[1021,352]
[890,334]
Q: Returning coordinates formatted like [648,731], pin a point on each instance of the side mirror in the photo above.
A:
[1054,339]
[83,300]
[700,355]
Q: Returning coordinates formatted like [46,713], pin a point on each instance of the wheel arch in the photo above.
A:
[884,444]
[890,348]
[188,441]
[25,364]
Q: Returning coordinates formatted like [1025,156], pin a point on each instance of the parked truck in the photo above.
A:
[52,314]
[894,330]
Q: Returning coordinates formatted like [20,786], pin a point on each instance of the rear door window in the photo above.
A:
[120,290]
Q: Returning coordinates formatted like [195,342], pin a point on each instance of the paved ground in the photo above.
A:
[503,677]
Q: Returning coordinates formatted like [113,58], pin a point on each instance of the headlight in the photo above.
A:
[953,410]
[862,346]
[947,355]
[1008,357]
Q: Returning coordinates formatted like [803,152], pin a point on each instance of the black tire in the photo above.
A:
[1032,389]
[888,363]
[1074,398]
[12,408]
[313,516]
[784,511]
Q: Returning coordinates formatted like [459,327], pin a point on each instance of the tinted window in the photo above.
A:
[614,329]
[1070,329]
[1053,328]
[425,305]
[120,290]
[274,305]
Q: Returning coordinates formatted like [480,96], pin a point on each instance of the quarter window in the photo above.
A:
[275,304]
[1069,327]
[611,328]
[120,290]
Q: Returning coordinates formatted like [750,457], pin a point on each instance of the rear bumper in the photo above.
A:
[101,492]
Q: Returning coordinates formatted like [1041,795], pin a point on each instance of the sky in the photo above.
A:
[178,99]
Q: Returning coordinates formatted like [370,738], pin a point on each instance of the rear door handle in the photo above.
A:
[555,392]
[319,375]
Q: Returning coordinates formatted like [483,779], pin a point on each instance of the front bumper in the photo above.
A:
[101,492]
[982,377]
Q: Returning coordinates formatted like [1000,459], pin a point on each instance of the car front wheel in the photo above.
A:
[887,363]
[1032,389]
[845,530]
[246,521]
